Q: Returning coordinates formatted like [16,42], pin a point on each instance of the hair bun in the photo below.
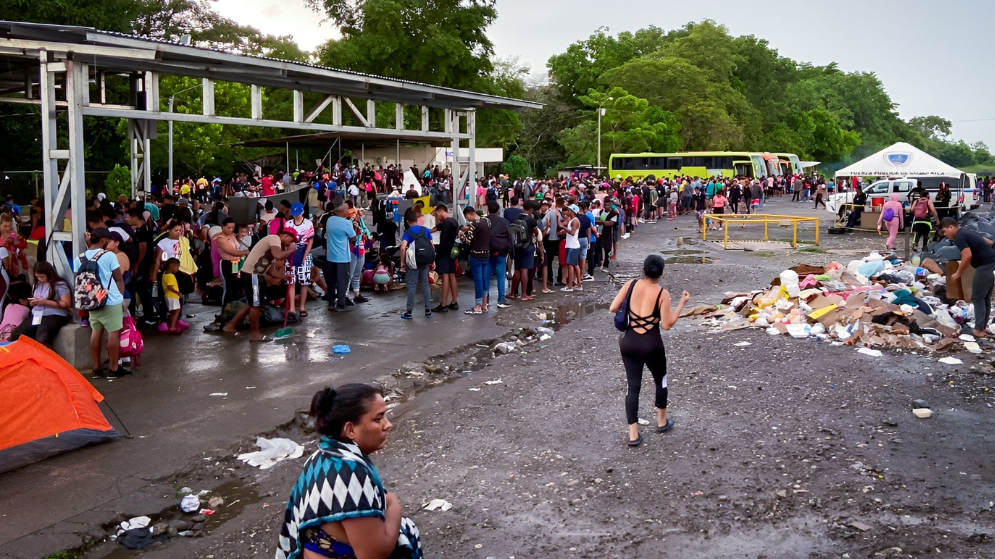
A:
[322,401]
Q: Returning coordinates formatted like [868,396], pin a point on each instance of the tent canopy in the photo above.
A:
[900,160]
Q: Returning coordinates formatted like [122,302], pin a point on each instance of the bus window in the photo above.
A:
[743,169]
[674,163]
[758,166]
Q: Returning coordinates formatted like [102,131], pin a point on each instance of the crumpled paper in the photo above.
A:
[273,451]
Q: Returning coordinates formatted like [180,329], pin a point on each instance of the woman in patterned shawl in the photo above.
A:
[338,507]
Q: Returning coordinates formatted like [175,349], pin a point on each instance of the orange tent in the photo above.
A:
[46,406]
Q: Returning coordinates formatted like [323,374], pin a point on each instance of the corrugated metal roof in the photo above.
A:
[440,96]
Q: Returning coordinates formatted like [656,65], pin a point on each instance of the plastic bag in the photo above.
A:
[273,451]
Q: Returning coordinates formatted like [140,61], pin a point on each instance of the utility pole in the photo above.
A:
[170,184]
[601,113]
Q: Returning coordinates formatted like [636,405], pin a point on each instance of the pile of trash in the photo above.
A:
[876,301]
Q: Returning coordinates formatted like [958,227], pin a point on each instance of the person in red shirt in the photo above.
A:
[267,184]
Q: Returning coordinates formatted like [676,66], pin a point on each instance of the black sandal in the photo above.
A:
[667,427]
[637,442]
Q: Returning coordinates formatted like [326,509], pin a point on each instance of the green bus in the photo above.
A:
[791,163]
[701,164]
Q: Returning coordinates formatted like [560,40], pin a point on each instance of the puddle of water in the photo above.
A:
[237,495]
[565,314]
[687,256]
[682,252]
[691,260]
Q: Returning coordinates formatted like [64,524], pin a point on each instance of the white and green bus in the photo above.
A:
[701,164]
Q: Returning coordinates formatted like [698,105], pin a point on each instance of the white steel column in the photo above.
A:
[76,82]
[140,146]
[66,191]
[471,170]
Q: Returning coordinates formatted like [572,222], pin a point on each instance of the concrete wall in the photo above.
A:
[429,156]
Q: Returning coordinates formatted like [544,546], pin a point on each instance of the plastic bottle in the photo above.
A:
[789,279]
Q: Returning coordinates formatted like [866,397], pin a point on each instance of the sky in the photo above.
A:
[923,51]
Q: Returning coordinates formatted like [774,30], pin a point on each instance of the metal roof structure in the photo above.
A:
[349,140]
[129,53]
[60,68]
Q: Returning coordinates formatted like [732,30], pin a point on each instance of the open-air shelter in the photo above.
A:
[65,68]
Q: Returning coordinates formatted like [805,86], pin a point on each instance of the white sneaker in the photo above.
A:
[626,236]
[588,277]
[567,289]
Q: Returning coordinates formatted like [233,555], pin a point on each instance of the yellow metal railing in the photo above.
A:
[766,219]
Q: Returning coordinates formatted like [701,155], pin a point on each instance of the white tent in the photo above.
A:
[900,160]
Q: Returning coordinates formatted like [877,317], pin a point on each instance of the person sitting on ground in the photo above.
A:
[50,302]
[366,523]
[383,275]
[16,311]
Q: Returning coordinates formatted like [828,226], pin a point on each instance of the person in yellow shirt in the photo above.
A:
[201,191]
[171,288]
[185,189]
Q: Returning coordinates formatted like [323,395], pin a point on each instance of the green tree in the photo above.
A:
[118,182]
[516,167]
[630,124]
[109,15]
[440,42]
[578,70]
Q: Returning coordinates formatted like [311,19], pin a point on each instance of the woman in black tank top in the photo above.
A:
[642,343]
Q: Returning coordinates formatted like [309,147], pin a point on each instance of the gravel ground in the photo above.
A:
[782,449]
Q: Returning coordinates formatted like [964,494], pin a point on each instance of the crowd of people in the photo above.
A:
[333,232]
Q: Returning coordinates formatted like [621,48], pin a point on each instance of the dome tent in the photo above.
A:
[46,406]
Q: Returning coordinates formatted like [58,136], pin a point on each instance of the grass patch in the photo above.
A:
[763,254]
[76,552]
[815,250]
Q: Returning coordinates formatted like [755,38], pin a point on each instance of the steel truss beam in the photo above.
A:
[67,191]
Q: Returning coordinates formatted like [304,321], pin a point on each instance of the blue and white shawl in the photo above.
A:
[339,482]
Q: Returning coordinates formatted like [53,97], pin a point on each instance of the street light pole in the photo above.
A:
[170,184]
[601,113]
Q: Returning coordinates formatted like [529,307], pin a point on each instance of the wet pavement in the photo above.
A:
[782,449]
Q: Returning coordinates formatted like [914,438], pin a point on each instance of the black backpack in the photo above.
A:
[501,236]
[424,249]
[520,236]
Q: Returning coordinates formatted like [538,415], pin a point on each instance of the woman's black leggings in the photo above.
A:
[639,350]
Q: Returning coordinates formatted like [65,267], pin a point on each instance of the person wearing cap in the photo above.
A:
[118,237]
[183,211]
[110,317]
[256,265]
[301,263]
[339,235]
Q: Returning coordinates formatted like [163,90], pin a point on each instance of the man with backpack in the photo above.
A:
[501,247]
[99,289]
[445,258]
[417,258]
[922,209]
[523,235]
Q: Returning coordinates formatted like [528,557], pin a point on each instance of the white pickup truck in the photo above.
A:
[881,191]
